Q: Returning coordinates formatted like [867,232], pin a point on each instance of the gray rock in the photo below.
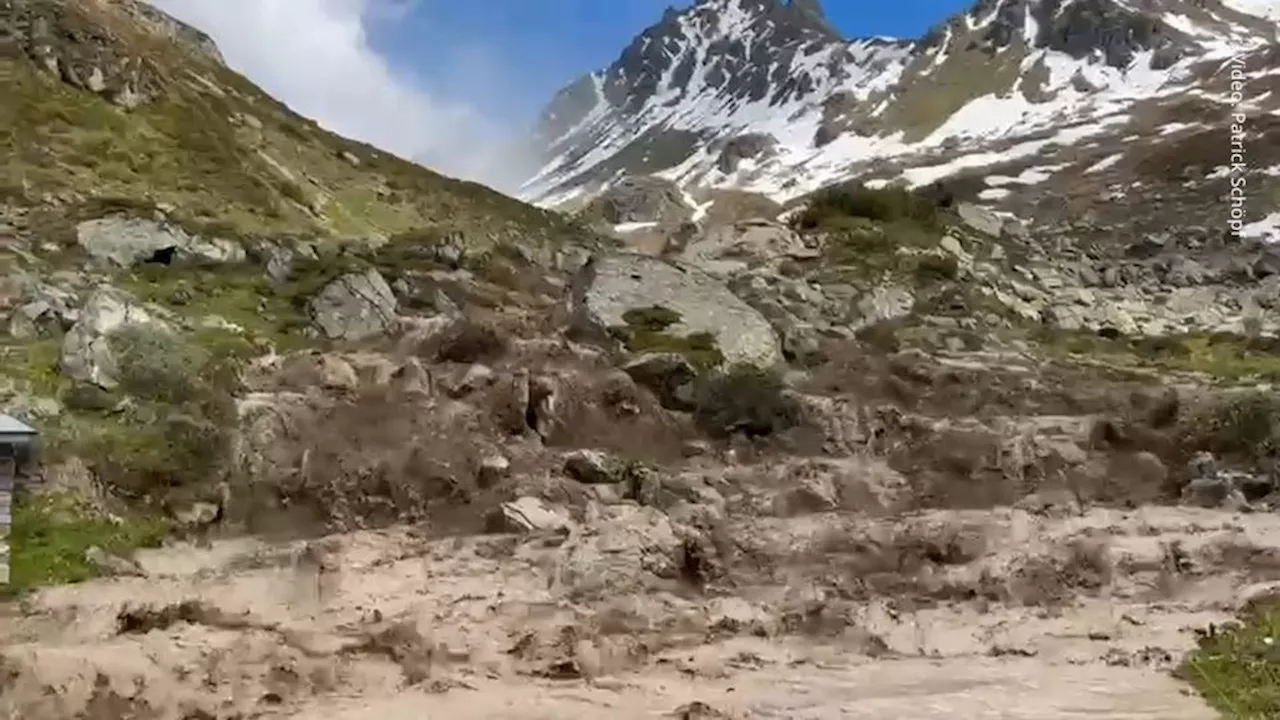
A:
[33,320]
[282,258]
[47,309]
[413,379]
[493,470]
[591,467]
[641,199]
[810,495]
[198,514]
[112,565]
[746,244]
[1203,466]
[623,549]
[1215,493]
[885,302]
[86,351]
[801,341]
[980,219]
[476,377]
[212,251]
[607,287]
[314,369]
[125,242]
[356,306]
[668,375]
[279,265]
[527,515]
[748,146]
[451,251]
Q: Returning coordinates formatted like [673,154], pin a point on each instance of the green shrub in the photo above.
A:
[469,341]
[700,348]
[179,429]
[653,319]
[1245,426]
[836,204]
[1236,667]
[158,365]
[646,332]
[933,268]
[745,399]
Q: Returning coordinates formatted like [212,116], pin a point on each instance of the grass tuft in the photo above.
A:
[1236,668]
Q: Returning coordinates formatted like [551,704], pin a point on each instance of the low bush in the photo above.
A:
[854,200]
[470,341]
[1236,667]
[1244,426]
[177,429]
[745,399]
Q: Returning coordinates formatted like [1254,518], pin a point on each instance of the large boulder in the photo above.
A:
[640,199]
[86,349]
[608,288]
[621,550]
[749,243]
[126,241]
[355,306]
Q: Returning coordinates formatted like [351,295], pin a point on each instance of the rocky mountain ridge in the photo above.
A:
[756,96]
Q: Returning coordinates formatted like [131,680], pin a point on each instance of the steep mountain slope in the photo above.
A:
[763,96]
[163,222]
[99,101]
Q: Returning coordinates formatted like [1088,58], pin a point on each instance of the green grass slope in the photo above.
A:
[98,103]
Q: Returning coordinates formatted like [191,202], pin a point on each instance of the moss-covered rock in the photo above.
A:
[645,331]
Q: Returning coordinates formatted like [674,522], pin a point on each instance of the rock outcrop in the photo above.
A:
[87,354]
[640,199]
[127,241]
[356,306]
[609,287]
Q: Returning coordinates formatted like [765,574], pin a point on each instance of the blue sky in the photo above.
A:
[507,57]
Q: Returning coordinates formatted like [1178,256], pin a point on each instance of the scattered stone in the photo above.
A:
[697,710]
[637,199]
[527,515]
[981,219]
[668,375]
[623,549]
[413,379]
[112,565]
[591,467]
[356,306]
[493,470]
[199,514]
[1217,493]
[34,320]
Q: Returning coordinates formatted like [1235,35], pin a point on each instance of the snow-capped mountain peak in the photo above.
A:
[766,95]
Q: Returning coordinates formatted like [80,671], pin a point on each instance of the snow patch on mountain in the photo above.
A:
[739,94]
[1269,9]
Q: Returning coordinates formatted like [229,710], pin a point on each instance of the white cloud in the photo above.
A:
[315,56]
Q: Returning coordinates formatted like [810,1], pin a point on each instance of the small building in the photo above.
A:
[17,455]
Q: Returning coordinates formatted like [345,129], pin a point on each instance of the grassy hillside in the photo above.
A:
[97,104]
